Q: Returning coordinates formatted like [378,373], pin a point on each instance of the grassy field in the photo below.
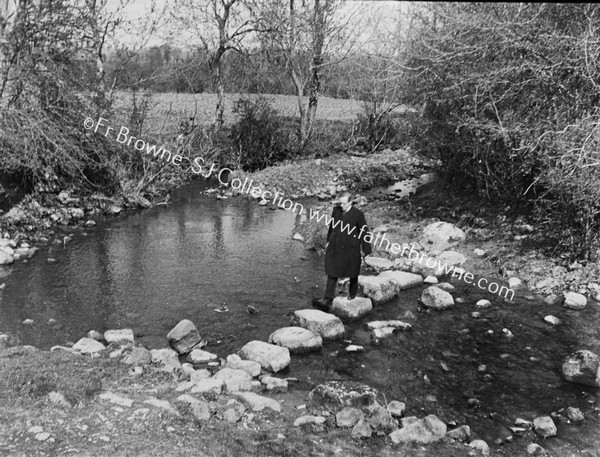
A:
[167,110]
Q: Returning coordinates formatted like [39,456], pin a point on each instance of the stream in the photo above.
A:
[198,255]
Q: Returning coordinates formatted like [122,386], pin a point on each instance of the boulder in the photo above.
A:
[88,346]
[234,380]
[389,324]
[327,325]
[115,336]
[573,300]
[235,361]
[199,408]
[439,236]
[139,356]
[184,336]
[296,339]
[270,356]
[96,335]
[336,394]
[351,309]
[544,426]
[380,289]
[436,298]
[582,367]
[197,356]
[348,417]
[379,263]
[165,359]
[422,431]
[257,402]
[403,279]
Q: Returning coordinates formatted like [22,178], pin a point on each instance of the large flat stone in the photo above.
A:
[296,339]
[270,356]
[379,263]
[235,361]
[403,279]
[351,309]
[379,289]
[327,325]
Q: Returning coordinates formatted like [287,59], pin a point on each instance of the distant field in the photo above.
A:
[167,110]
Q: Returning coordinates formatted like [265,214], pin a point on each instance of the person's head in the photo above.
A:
[345,201]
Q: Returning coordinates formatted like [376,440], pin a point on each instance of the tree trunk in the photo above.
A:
[218,80]
[315,70]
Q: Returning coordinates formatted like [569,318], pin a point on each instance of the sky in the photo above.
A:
[385,14]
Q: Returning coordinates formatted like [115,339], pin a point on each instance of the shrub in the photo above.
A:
[256,135]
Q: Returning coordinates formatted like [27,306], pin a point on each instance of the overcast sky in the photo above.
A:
[386,14]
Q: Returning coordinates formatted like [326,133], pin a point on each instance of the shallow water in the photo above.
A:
[149,270]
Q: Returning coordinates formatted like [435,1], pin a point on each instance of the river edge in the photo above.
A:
[316,443]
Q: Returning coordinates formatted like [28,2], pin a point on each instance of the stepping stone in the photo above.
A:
[394,324]
[436,298]
[377,288]
[296,339]
[573,300]
[351,309]
[327,325]
[270,356]
[379,263]
[403,279]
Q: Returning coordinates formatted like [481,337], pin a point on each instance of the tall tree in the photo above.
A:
[307,35]
[219,26]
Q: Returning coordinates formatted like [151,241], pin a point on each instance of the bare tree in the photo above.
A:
[219,26]
[308,35]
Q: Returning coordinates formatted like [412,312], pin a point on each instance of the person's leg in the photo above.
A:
[353,290]
[330,288]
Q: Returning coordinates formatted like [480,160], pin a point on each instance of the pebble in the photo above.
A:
[552,320]
[303,420]
[575,414]
[28,322]
[483,303]
[42,436]
[35,429]
[354,348]
[507,333]
[430,280]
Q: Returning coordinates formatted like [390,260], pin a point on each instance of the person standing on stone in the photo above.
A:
[343,252]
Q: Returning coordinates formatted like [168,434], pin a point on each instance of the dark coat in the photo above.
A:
[342,256]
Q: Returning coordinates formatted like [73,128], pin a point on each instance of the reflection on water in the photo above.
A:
[147,271]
